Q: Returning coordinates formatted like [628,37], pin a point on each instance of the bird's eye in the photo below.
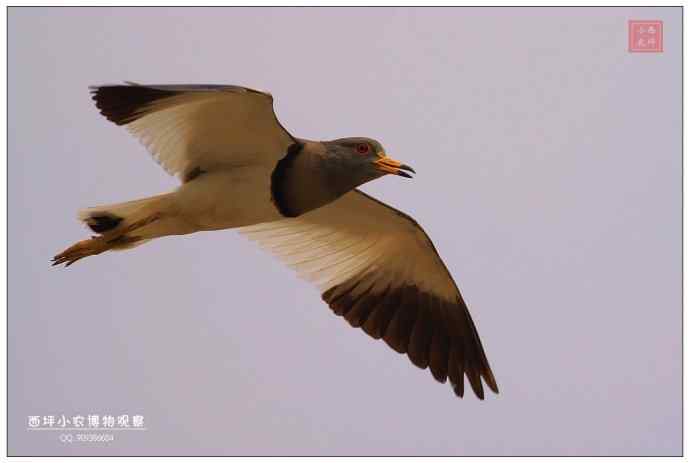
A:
[362,148]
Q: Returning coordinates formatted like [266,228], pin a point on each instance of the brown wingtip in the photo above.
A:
[489,379]
[459,388]
[123,104]
[434,333]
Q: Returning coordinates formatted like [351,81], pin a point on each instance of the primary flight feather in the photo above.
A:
[297,198]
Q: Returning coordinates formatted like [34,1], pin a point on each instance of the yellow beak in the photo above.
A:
[391,166]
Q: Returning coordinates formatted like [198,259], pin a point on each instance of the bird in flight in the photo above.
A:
[239,168]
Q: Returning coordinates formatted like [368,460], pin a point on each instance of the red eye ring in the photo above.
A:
[362,148]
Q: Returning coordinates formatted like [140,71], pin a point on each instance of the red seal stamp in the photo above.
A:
[645,36]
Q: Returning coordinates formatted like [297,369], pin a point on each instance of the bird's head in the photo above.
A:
[316,173]
[363,159]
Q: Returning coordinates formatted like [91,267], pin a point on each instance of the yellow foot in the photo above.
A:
[85,248]
[99,244]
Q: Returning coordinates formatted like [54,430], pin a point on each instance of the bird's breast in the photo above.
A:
[228,199]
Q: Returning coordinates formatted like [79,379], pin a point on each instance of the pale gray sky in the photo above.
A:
[549,178]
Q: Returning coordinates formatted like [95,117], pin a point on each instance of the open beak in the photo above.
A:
[391,166]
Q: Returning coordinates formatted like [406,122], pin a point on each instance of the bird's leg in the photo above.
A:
[138,224]
[98,244]
[91,247]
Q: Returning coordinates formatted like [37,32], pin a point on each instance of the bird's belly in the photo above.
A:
[228,199]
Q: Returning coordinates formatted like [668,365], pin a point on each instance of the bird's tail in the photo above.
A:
[120,226]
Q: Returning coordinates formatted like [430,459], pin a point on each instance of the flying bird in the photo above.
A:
[240,168]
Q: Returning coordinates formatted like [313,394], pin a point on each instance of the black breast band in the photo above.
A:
[279,180]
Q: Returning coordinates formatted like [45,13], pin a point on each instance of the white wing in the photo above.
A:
[378,269]
[195,128]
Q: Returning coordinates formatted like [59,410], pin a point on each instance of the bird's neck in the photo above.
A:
[305,179]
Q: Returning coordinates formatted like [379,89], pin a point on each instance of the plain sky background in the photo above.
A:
[549,178]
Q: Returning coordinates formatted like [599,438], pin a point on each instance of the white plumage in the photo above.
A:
[212,127]
[356,235]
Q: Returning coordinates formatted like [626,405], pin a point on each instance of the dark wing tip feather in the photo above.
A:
[433,333]
[123,104]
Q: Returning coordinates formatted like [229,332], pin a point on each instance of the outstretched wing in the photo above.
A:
[378,269]
[195,128]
